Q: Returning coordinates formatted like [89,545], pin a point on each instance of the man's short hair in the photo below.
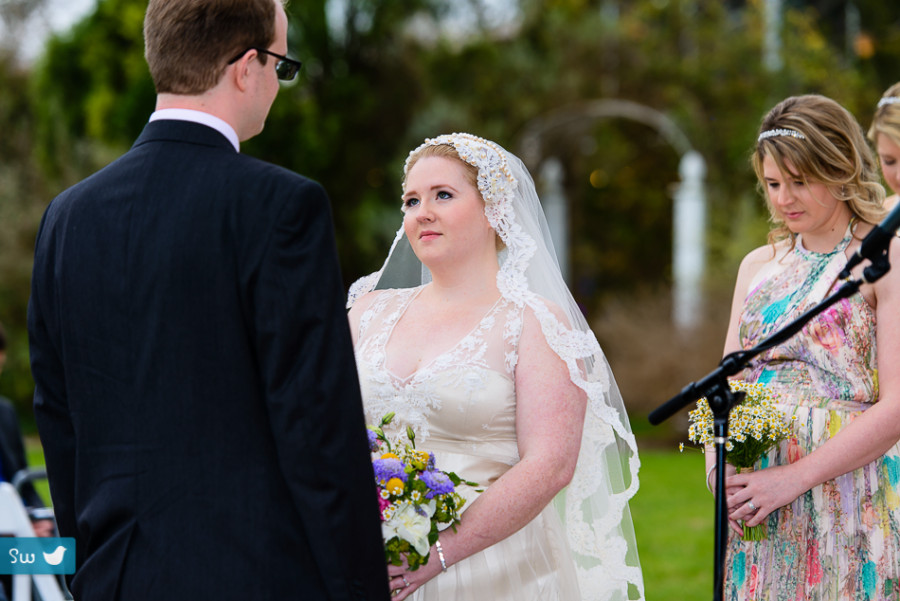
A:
[188,43]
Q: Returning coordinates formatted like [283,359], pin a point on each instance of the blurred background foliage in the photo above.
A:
[381,75]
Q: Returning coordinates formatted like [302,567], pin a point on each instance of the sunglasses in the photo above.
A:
[286,68]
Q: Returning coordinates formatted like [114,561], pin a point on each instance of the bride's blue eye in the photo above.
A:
[410,202]
[444,195]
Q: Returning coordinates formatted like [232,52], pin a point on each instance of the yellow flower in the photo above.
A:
[395,486]
[390,456]
[418,459]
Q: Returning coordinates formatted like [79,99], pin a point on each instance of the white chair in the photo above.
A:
[14,521]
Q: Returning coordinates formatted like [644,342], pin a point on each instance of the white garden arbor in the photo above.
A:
[689,214]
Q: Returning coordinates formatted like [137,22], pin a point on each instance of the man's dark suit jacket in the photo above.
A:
[197,396]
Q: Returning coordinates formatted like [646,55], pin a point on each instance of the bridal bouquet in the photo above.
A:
[414,496]
[754,427]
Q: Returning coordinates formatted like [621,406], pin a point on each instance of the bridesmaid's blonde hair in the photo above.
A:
[823,143]
[887,117]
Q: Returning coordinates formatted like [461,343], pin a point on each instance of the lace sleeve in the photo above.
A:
[361,287]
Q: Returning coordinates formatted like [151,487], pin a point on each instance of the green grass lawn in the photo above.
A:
[35,458]
[673,523]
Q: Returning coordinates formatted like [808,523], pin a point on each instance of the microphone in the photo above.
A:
[876,242]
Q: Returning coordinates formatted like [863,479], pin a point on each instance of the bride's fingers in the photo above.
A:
[400,587]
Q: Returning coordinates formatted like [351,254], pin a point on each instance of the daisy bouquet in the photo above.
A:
[414,497]
[754,426]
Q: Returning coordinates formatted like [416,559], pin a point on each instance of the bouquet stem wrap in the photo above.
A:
[753,533]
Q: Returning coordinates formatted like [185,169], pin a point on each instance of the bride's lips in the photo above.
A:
[428,235]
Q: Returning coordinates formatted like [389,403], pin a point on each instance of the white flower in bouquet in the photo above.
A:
[411,523]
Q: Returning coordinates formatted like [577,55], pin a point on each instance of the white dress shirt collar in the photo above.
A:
[202,118]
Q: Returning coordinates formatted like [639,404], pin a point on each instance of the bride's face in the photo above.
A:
[444,214]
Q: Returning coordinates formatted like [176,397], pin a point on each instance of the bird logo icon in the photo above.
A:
[55,558]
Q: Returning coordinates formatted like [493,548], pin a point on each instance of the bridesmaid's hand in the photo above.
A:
[761,492]
[730,489]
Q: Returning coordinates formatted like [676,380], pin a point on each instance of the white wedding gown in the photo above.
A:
[462,407]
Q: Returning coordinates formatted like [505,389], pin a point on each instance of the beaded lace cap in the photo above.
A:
[495,181]
[594,507]
[774,133]
[888,100]
[498,187]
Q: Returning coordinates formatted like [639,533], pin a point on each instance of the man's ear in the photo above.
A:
[240,70]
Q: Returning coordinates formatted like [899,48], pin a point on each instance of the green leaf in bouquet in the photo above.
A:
[415,561]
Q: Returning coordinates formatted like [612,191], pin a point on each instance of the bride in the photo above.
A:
[469,335]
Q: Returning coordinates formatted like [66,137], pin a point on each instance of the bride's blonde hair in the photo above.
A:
[444,151]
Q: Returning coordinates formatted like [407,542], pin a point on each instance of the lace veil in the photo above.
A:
[594,507]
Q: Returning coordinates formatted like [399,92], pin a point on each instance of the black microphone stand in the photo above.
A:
[721,398]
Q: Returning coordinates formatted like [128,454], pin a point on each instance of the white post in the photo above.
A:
[688,243]
[556,209]
[772,35]
[852,29]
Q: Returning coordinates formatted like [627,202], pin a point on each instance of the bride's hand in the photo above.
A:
[403,582]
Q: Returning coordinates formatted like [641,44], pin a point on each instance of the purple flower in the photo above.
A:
[437,482]
[430,466]
[385,469]
[373,441]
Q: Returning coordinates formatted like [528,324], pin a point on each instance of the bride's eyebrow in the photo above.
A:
[410,193]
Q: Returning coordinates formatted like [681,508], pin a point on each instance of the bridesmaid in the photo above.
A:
[830,494]
[885,135]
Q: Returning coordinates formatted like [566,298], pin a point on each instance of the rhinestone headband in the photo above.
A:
[495,181]
[888,100]
[774,133]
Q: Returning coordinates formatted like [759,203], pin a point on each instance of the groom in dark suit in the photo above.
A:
[196,393]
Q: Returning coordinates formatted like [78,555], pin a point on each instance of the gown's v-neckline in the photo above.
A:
[433,360]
